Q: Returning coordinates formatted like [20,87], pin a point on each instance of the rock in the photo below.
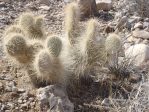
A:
[138,54]
[21,90]
[11,105]
[20,101]
[145,24]
[45,2]
[127,45]
[145,41]
[146,20]
[140,34]
[54,97]
[44,7]
[105,5]
[14,89]
[106,102]
[87,7]
[138,25]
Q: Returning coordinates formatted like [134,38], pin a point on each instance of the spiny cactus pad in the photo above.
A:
[32,26]
[39,21]
[71,22]
[93,44]
[47,67]
[16,45]
[54,44]
[113,43]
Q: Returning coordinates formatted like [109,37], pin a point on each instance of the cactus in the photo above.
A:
[113,47]
[22,50]
[113,43]
[39,21]
[71,22]
[48,67]
[54,44]
[13,29]
[32,26]
[16,47]
[93,45]
[16,44]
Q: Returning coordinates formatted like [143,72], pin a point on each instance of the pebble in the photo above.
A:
[20,101]
[106,102]
[138,25]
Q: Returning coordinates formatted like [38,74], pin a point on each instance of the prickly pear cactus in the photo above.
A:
[54,44]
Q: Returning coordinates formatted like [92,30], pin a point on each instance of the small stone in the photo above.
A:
[44,7]
[138,54]
[24,101]
[146,20]
[46,2]
[21,90]
[140,34]
[14,89]
[138,25]
[106,102]
[23,106]
[11,105]
[145,24]
[87,7]
[20,101]
[145,41]
[8,89]
[105,5]
[31,99]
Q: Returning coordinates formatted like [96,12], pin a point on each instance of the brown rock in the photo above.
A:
[105,5]
[87,7]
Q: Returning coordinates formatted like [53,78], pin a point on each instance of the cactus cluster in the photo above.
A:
[53,59]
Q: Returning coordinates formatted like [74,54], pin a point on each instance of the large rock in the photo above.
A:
[55,98]
[87,7]
[140,34]
[138,54]
[105,5]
